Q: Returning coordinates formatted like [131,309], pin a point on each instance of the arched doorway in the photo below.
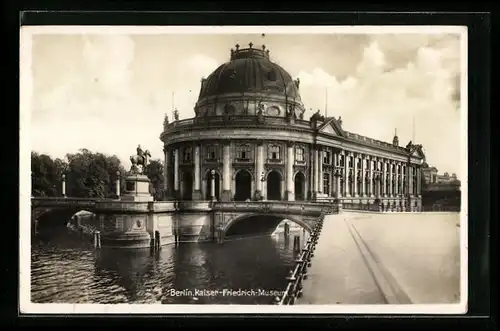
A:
[187,186]
[274,185]
[300,183]
[243,183]
[208,179]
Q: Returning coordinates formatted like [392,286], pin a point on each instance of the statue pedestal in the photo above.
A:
[137,189]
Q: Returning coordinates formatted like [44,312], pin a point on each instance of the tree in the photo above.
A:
[94,175]
[46,175]
[87,175]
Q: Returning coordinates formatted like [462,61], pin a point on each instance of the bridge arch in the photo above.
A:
[259,224]
[45,217]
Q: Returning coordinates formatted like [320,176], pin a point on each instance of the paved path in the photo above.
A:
[396,258]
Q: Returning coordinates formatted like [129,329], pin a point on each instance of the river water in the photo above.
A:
[65,269]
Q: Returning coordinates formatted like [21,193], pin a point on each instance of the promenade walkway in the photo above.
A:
[393,258]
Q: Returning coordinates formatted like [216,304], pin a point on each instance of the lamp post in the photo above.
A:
[117,185]
[63,185]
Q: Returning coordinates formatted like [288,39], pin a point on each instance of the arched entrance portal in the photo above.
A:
[300,183]
[243,183]
[274,185]
[208,179]
[187,186]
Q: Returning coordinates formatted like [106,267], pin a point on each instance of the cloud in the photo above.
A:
[378,98]
[110,93]
[108,102]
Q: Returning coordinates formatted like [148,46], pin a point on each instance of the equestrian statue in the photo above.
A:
[139,161]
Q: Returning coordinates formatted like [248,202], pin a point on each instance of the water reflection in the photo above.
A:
[65,269]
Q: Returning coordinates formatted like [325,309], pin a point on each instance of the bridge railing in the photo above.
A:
[298,274]
[274,206]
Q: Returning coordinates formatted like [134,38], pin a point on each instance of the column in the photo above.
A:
[401,179]
[389,164]
[197,174]
[320,170]
[290,188]
[409,179]
[259,169]
[226,172]
[176,173]
[212,185]
[117,188]
[166,176]
[63,188]
[346,173]
[419,181]
[363,176]
[355,175]
[334,177]
[316,172]
[384,177]
[371,188]
[378,175]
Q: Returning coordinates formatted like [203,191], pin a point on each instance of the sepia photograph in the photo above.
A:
[230,169]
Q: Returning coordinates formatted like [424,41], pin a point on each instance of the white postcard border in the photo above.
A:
[25,304]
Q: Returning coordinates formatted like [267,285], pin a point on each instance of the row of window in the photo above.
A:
[395,186]
[243,152]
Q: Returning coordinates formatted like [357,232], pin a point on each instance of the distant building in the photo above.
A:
[440,192]
[249,139]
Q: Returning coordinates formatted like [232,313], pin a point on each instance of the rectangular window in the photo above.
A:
[243,152]
[211,153]
[187,154]
[326,184]
[274,152]
[342,160]
[299,154]
[326,157]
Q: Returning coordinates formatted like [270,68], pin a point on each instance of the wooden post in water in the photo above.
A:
[157,240]
[287,229]
[97,239]
[296,243]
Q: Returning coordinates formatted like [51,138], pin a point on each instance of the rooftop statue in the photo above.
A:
[165,121]
[139,161]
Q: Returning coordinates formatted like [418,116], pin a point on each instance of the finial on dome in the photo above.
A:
[237,46]
[263,47]
[250,44]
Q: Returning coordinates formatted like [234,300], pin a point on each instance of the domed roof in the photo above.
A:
[250,70]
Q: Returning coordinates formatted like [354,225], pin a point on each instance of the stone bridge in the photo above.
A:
[262,217]
[186,220]
[51,209]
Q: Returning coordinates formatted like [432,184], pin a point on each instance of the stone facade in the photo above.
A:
[258,147]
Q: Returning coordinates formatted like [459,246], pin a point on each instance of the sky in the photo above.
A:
[110,92]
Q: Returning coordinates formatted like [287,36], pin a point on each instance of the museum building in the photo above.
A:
[249,141]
